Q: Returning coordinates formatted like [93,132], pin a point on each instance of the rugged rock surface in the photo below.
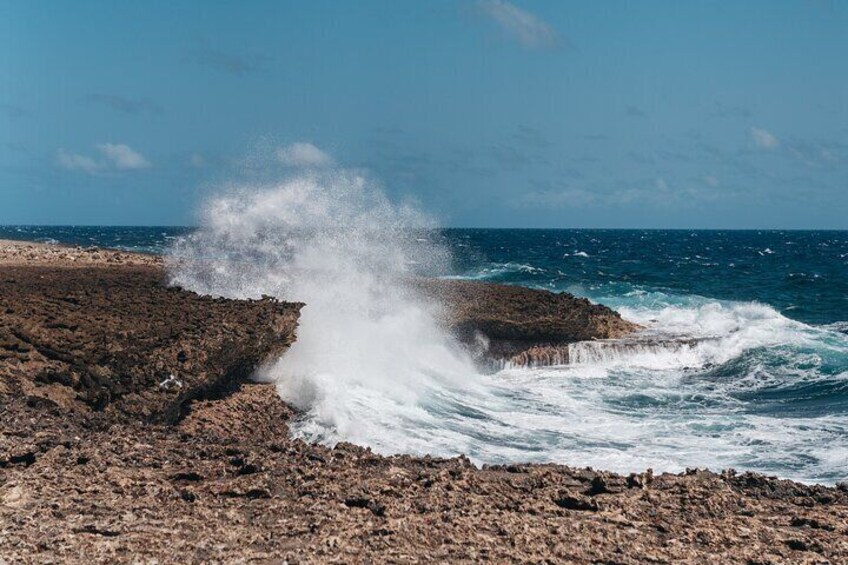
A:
[520,325]
[26,253]
[116,340]
[101,462]
[226,484]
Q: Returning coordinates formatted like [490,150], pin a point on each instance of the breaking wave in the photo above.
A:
[708,383]
[368,350]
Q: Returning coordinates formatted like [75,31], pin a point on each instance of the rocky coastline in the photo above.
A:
[131,432]
[502,324]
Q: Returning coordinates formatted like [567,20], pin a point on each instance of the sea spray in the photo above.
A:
[369,349]
[718,383]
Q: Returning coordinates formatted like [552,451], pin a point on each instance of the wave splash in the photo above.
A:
[368,348]
[710,384]
[694,335]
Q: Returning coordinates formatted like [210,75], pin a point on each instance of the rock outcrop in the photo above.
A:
[128,434]
[116,340]
[521,326]
[226,484]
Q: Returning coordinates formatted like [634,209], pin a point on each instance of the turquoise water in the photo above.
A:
[761,383]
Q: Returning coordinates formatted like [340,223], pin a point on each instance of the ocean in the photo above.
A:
[747,365]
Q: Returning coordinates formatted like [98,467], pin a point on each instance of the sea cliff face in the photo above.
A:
[130,432]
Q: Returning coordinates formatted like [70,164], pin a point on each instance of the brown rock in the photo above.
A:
[521,325]
[105,465]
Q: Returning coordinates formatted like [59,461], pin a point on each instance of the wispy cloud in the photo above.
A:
[231,63]
[763,139]
[76,162]
[114,157]
[123,156]
[817,154]
[523,26]
[303,154]
[122,104]
[635,112]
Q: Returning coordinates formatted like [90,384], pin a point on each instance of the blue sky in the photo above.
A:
[488,113]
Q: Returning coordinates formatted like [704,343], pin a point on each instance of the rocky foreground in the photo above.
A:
[129,431]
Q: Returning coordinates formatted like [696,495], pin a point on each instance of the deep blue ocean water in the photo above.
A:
[802,274]
[762,386]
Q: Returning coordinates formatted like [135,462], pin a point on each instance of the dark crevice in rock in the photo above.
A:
[96,531]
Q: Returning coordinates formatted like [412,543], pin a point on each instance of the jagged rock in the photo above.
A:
[114,339]
[520,325]
[98,464]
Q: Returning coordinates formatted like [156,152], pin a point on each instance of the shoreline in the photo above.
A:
[99,452]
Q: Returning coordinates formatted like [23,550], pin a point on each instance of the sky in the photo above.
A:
[485,113]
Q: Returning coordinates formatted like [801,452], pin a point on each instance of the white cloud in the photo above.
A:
[525,27]
[115,157]
[303,154]
[123,156]
[816,154]
[828,155]
[763,139]
[74,162]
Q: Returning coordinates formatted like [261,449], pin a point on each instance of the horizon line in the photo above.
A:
[511,228]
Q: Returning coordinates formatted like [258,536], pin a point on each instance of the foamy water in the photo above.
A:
[709,383]
[369,353]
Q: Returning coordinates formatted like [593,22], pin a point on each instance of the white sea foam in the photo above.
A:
[367,348]
[372,366]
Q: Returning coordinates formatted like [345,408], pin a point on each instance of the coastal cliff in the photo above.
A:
[130,431]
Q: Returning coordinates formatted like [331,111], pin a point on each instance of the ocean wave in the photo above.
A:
[709,383]
[841,327]
[496,271]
